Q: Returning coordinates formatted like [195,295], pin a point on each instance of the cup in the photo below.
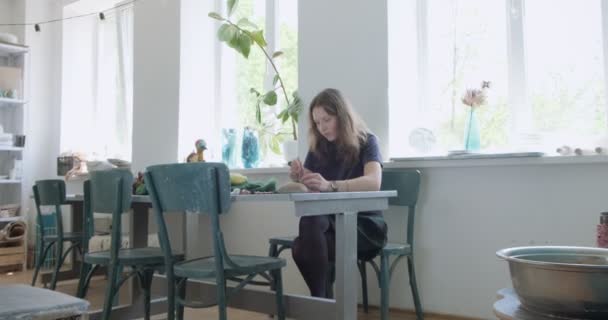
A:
[19,140]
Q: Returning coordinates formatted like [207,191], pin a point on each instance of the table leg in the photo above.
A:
[346,261]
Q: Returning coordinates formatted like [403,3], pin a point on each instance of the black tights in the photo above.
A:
[314,252]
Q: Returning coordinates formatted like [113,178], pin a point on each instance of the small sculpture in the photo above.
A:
[199,156]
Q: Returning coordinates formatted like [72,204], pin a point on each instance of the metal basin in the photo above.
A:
[560,281]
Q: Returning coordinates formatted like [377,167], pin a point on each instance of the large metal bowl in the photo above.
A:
[560,281]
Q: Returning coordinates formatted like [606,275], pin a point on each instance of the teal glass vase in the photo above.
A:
[471,132]
[229,147]
[250,148]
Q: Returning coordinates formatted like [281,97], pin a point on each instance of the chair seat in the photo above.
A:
[132,257]
[282,241]
[202,268]
[397,249]
[67,236]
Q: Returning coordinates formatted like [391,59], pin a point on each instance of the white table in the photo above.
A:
[344,307]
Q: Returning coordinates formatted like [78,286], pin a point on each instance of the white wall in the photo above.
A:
[343,44]
[156,87]
[43,90]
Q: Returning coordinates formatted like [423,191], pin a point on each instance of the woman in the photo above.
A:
[343,156]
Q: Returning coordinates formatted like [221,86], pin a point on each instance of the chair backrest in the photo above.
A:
[201,187]
[50,193]
[407,184]
[109,192]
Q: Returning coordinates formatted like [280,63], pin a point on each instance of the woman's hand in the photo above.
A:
[316,182]
[296,170]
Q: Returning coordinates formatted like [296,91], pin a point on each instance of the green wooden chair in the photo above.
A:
[407,184]
[52,193]
[109,192]
[204,188]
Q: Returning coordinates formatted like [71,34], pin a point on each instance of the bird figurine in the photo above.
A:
[201,146]
[198,156]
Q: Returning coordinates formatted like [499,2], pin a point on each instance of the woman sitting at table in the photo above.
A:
[343,156]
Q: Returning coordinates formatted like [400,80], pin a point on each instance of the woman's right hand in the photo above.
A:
[296,170]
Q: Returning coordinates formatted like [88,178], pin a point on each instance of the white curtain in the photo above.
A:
[97,85]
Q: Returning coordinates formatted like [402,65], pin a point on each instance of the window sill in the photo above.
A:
[453,162]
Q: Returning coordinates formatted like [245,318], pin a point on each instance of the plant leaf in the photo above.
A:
[226,32]
[244,43]
[258,37]
[232,6]
[277,54]
[275,79]
[270,98]
[253,90]
[215,16]
[246,23]
[234,42]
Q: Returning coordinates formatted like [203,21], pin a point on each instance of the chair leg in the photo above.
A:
[58,263]
[273,251]
[414,287]
[171,303]
[329,288]
[362,270]
[87,281]
[278,284]
[84,271]
[221,300]
[145,281]
[110,290]
[384,286]
[40,260]
[181,291]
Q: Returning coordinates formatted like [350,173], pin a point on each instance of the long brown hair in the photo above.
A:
[351,130]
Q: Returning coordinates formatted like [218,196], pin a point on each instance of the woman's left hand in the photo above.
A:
[315,181]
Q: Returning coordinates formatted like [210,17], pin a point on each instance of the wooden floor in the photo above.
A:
[96,292]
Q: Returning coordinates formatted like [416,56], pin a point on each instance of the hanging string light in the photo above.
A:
[101,14]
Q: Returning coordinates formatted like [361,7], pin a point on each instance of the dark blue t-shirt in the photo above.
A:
[372,229]
[333,168]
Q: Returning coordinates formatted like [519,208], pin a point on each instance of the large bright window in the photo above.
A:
[279,20]
[544,59]
[96,114]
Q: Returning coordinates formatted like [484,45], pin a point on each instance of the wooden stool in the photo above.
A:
[508,307]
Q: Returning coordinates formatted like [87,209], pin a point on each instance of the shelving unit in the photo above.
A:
[13,62]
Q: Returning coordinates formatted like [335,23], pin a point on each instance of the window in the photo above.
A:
[97,80]
[238,75]
[547,81]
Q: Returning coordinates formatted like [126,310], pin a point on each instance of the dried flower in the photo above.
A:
[476,97]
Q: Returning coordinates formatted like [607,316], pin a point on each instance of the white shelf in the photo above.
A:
[8,181]
[9,219]
[10,148]
[11,102]
[12,49]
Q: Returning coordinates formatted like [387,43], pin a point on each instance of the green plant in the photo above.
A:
[241,36]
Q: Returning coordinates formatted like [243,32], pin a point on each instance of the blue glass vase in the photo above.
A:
[250,152]
[471,132]
[229,147]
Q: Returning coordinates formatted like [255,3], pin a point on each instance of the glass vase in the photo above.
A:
[250,152]
[471,132]
[229,147]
